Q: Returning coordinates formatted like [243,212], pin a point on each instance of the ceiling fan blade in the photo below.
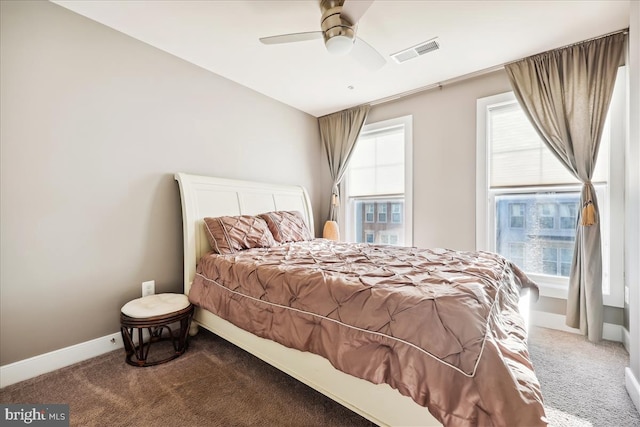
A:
[367,55]
[353,10]
[292,38]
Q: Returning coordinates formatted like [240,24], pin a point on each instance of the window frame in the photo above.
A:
[610,197]
[407,213]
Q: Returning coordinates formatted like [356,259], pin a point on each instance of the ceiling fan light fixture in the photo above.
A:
[339,45]
[338,26]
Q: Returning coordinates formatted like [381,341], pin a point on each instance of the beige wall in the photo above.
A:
[444,158]
[94,124]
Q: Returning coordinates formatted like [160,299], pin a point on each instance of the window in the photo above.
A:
[527,202]
[568,215]
[516,215]
[382,212]
[550,261]
[369,211]
[566,258]
[396,213]
[377,185]
[547,215]
[531,229]
[388,239]
[557,261]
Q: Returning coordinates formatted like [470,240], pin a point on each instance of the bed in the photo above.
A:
[480,374]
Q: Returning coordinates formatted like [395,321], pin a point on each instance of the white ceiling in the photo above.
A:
[474,35]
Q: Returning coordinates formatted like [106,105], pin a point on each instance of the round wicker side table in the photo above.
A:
[155,314]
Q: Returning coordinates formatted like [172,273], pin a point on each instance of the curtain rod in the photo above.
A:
[479,73]
[624,31]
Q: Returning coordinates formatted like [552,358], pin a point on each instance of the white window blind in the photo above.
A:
[377,164]
[519,157]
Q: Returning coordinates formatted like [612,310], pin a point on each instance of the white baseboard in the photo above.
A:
[610,331]
[38,365]
[633,387]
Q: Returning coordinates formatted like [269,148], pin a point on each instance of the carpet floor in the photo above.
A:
[216,384]
[582,383]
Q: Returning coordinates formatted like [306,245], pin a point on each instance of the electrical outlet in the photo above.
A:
[148,288]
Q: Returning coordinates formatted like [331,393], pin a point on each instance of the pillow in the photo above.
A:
[230,234]
[287,226]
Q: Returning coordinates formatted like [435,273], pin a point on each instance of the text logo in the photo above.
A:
[53,415]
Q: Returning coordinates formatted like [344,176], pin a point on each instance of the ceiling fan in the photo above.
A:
[338,28]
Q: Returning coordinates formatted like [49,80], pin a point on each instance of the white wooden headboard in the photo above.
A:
[204,196]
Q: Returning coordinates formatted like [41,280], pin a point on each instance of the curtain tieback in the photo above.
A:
[588,208]
[588,214]
[335,191]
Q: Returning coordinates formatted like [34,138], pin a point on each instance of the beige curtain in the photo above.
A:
[339,132]
[566,94]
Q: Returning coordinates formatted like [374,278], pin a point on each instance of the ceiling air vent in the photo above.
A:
[417,50]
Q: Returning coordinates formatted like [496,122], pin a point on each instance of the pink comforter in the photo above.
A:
[440,326]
